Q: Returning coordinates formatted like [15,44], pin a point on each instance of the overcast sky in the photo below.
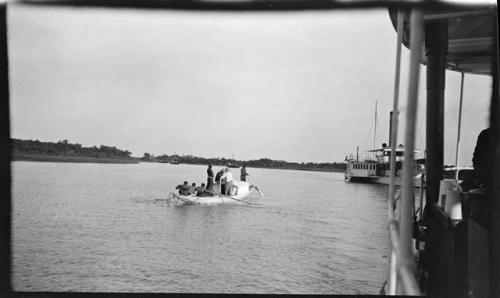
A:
[296,86]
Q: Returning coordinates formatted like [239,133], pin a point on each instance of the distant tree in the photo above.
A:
[64,147]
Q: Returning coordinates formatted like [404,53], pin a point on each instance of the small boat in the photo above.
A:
[232,165]
[174,162]
[239,192]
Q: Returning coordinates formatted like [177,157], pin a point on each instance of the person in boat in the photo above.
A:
[218,179]
[201,190]
[210,178]
[244,174]
[227,177]
[184,189]
[192,188]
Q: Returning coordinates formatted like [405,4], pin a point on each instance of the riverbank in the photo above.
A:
[85,159]
[314,169]
[79,159]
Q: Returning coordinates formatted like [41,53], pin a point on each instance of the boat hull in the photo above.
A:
[194,200]
[380,180]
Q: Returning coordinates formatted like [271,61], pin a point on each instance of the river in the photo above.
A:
[100,227]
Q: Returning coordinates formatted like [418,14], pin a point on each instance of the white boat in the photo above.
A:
[238,194]
[377,170]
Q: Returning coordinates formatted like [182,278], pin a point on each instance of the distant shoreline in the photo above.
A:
[274,168]
[78,159]
[64,151]
[85,159]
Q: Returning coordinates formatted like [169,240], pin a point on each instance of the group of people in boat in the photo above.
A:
[221,183]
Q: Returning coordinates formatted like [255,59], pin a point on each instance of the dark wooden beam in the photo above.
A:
[495,175]
[269,5]
[436,41]
[5,178]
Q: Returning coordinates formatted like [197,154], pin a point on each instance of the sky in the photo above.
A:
[296,86]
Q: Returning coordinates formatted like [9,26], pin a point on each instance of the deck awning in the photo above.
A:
[470,36]
[262,5]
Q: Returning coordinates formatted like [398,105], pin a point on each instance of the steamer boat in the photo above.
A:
[377,169]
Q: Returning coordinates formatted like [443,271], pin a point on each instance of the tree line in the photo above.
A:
[65,148]
[258,163]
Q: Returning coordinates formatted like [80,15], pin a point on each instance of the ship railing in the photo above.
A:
[401,279]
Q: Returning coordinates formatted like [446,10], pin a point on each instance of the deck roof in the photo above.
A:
[263,4]
[470,36]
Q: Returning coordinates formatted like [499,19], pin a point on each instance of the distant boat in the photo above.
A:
[377,170]
[232,165]
[174,162]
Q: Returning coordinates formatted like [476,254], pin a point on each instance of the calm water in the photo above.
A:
[100,227]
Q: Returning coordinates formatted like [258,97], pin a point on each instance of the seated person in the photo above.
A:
[184,189]
[201,190]
[192,189]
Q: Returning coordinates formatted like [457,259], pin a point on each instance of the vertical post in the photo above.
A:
[407,202]
[459,125]
[436,42]
[375,132]
[5,156]
[357,153]
[390,127]
[494,198]
[395,108]
[393,127]
[393,274]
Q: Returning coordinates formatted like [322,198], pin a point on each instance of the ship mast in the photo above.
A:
[375,133]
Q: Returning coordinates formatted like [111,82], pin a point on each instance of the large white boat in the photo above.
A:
[377,168]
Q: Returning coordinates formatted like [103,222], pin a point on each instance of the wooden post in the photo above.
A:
[436,42]
[494,245]
[5,156]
